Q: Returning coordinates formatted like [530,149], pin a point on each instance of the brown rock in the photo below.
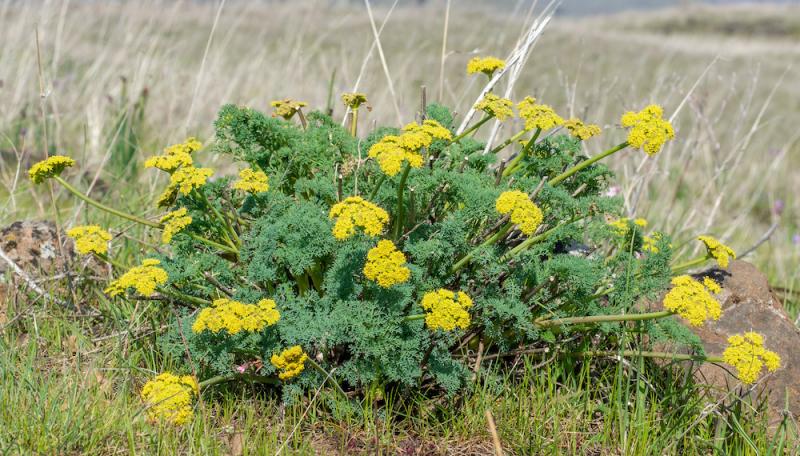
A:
[748,304]
[33,246]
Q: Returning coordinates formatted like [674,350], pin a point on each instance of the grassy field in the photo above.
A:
[110,84]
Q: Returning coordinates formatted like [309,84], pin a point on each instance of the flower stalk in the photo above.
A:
[471,129]
[556,180]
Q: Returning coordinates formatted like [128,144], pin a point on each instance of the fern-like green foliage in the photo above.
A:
[363,334]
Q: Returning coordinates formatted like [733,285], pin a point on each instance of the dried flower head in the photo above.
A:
[287,107]
[90,238]
[354,100]
[51,167]
[386,265]
[538,115]
[721,252]
[169,398]
[523,212]
[692,300]
[446,310]
[495,106]
[354,212]
[746,353]
[174,222]
[290,361]
[144,279]
[235,317]
[252,181]
[485,65]
[648,129]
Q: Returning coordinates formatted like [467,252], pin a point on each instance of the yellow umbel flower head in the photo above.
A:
[648,129]
[523,212]
[167,198]
[252,181]
[495,106]
[170,162]
[390,154]
[650,243]
[169,398]
[721,252]
[538,115]
[90,238]
[354,100]
[187,147]
[385,265]
[287,108]
[174,222]
[417,136]
[692,300]
[188,178]
[354,212]
[621,225]
[746,353]
[51,167]
[290,361]
[446,310]
[485,65]
[175,156]
[581,130]
[144,279]
[235,317]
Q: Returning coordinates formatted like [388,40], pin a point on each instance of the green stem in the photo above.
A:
[216,245]
[184,297]
[377,187]
[494,238]
[602,319]
[508,141]
[532,240]
[471,129]
[586,163]
[414,317]
[354,122]
[689,264]
[327,375]
[227,228]
[399,215]
[103,207]
[652,354]
[513,165]
[246,377]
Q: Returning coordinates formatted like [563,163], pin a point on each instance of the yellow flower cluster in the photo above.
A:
[175,156]
[188,178]
[649,243]
[90,238]
[721,252]
[621,225]
[252,181]
[391,153]
[446,310]
[524,212]
[235,317]
[538,115]
[746,353]
[354,212]
[169,398]
[290,361]
[485,65]
[692,300]
[385,265]
[287,107]
[52,166]
[144,279]
[496,106]
[648,129]
[354,100]
[174,222]
[581,130]
[392,150]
